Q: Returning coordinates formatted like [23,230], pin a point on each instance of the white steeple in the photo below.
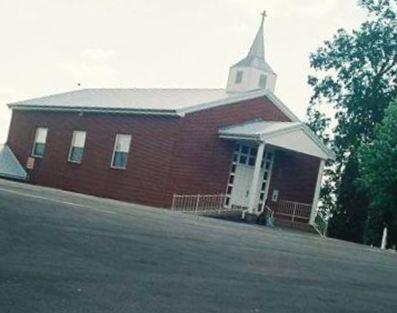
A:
[253,72]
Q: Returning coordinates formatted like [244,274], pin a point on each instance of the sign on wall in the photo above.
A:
[30,163]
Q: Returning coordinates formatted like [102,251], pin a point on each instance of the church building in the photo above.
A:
[240,147]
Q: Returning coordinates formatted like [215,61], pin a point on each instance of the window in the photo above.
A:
[77,147]
[253,152]
[121,150]
[262,81]
[243,159]
[231,179]
[239,77]
[245,150]
[252,161]
[40,140]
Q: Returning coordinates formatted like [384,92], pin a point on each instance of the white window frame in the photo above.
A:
[35,141]
[114,151]
[72,145]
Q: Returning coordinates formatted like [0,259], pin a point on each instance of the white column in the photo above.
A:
[253,195]
[317,192]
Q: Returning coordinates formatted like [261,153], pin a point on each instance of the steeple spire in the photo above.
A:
[258,46]
[253,72]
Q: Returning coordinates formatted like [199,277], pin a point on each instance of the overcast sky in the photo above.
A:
[48,46]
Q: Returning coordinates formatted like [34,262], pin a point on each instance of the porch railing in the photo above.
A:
[321,225]
[295,211]
[198,204]
[269,215]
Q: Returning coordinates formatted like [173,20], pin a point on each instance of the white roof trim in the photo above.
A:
[242,97]
[308,132]
[265,136]
[283,107]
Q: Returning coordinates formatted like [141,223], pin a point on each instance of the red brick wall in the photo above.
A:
[168,155]
[295,176]
[145,179]
[201,159]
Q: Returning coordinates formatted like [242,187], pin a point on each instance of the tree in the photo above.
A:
[357,75]
[378,169]
[347,223]
[319,123]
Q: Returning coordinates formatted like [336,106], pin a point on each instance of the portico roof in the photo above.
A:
[295,136]
[9,165]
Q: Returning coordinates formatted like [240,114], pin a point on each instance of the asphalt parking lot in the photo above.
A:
[62,252]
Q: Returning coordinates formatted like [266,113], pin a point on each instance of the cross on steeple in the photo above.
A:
[264,15]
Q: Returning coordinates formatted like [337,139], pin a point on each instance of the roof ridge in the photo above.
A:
[154,88]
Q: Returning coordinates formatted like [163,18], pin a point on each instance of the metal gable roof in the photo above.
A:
[9,165]
[176,102]
[163,100]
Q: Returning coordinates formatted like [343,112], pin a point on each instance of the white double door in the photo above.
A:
[242,186]
[241,177]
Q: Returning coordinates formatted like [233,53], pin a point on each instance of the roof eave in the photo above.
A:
[21,107]
[280,104]
[329,152]
[230,136]
[14,177]
[242,97]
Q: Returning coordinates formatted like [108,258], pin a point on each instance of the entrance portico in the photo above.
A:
[257,146]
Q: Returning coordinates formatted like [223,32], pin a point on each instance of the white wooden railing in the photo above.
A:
[295,211]
[198,204]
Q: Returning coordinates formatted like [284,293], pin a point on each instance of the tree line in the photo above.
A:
[356,75]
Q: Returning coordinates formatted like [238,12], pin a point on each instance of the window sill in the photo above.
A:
[74,162]
[37,156]
[118,168]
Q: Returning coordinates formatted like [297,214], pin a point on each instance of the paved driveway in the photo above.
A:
[61,252]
